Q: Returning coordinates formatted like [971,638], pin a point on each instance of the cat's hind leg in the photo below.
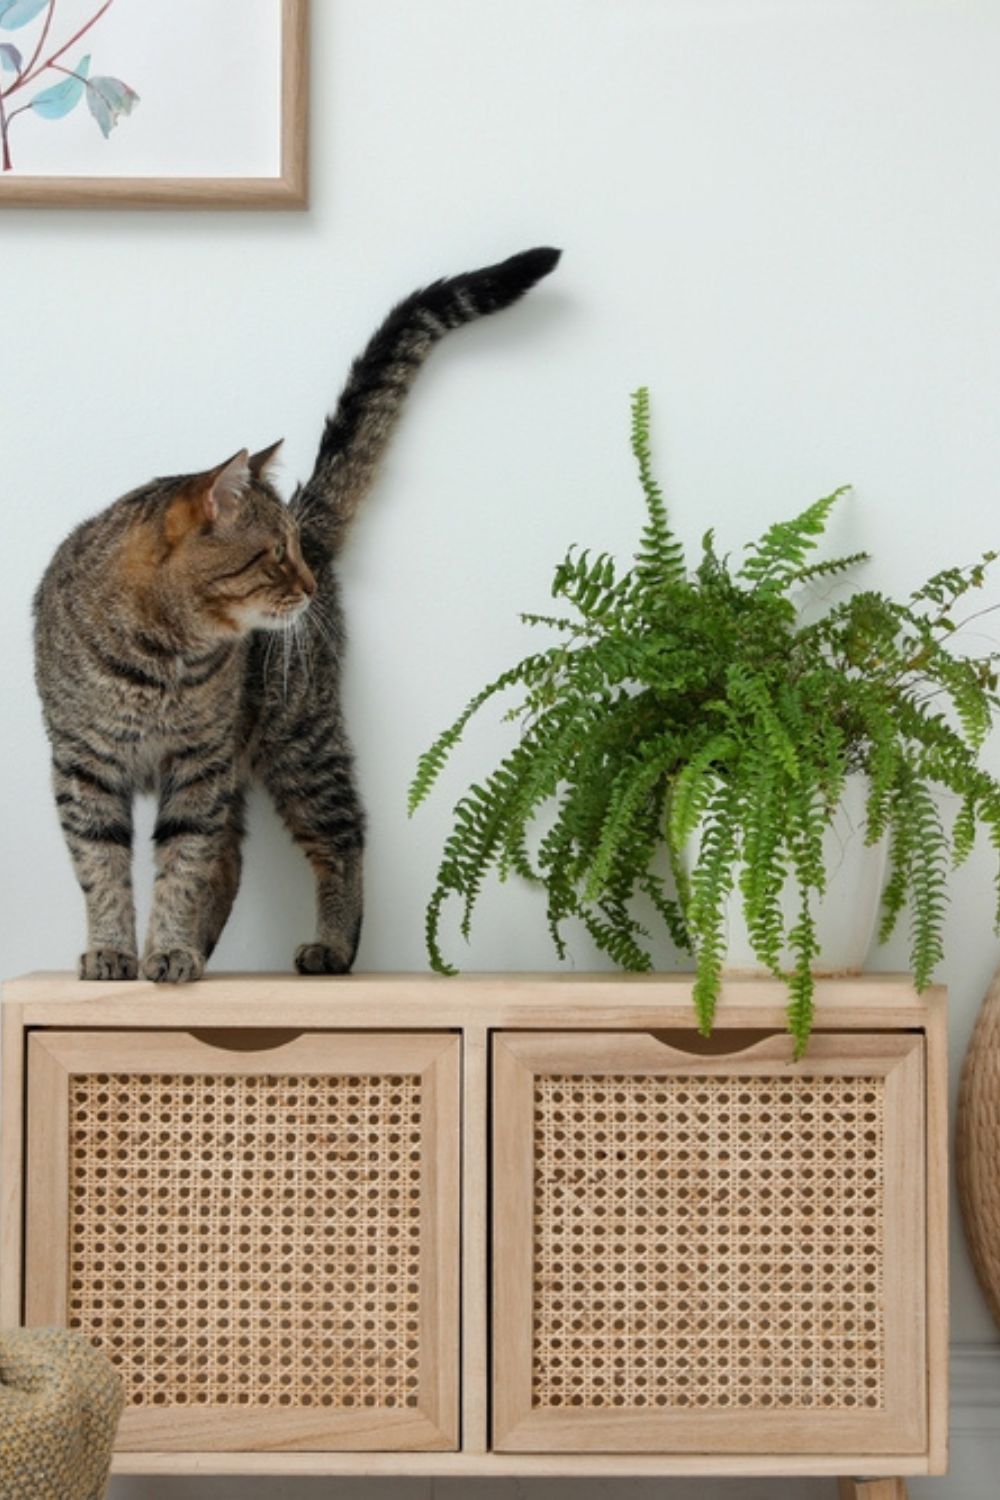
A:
[224,882]
[315,795]
[339,905]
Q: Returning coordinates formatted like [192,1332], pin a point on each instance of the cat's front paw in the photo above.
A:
[173,965]
[108,963]
[319,958]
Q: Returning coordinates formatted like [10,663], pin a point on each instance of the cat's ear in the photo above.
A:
[259,463]
[209,499]
[220,490]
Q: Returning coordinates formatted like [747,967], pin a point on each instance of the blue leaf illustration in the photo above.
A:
[10,58]
[57,101]
[109,98]
[15,13]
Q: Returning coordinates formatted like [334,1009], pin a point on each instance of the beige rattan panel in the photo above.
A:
[249,1240]
[703,1253]
[265,1242]
[708,1242]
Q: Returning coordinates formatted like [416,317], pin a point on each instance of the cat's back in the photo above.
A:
[80,562]
[84,612]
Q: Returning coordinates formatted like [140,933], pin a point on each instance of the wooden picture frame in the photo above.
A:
[286,190]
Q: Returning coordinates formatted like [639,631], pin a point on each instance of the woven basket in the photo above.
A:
[60,1400]
[977,1147]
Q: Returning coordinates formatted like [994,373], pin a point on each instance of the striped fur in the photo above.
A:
[189,638]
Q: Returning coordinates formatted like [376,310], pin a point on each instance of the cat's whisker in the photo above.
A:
[299,648]
[267,653]
[323,631]
[306,644]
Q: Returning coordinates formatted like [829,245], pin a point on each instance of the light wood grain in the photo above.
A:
[171,1052]
[518,1465]
[56,1057]
[495,1001]
[938,1300]
[513,1169]
[11,1165]
[559,1052]
[258,1431]
[898,1425]
[905,1249]
[440,1308]
[288,190]
[294,103]
[894,991]
[475,1242]
[47,1218]
[231,1014]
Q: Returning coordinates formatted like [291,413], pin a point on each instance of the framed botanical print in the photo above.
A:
[154,103]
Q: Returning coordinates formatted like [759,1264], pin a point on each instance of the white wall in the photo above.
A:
[782,215]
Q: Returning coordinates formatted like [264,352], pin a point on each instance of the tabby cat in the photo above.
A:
[154,637]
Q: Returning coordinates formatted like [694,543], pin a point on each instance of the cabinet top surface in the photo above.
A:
[421,1000]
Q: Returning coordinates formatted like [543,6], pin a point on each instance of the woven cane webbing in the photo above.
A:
[708,1242]
[249,1241]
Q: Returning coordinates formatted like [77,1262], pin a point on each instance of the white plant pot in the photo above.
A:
[847,915]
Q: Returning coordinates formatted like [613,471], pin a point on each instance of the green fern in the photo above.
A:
[661,556]
[778,559]
[698,714]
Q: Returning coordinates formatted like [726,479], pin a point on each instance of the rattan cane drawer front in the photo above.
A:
[265,1243]
[720,1254]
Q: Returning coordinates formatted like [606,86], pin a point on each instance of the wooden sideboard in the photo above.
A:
[500,1224]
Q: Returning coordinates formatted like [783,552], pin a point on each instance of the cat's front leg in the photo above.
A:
[192,834]
[94,800]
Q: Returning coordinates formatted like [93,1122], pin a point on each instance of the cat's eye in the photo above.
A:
[279,552]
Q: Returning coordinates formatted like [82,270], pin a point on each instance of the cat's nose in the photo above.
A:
[307,583]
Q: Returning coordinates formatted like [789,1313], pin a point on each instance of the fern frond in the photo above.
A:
[553,622]
[828,569]
[929,870]
[630,791]
[693,788]
[901,858]
[963,833]
[801,984]
[711,883]
[431,763]
[944,587]
[616,935]
[670,911]
[661,557]
[592,585]
[752,694]
[781,552]
[763,873]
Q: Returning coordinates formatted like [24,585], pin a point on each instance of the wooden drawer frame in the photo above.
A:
[899,1425]
[477,1008]
[56,1058]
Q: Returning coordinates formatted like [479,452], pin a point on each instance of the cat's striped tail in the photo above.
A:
[355,436]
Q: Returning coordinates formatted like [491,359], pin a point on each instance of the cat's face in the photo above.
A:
[233,550]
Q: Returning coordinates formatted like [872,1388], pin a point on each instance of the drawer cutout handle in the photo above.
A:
[245,1039]
[722,1043]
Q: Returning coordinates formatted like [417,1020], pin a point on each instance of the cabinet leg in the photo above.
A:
[873,1489]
